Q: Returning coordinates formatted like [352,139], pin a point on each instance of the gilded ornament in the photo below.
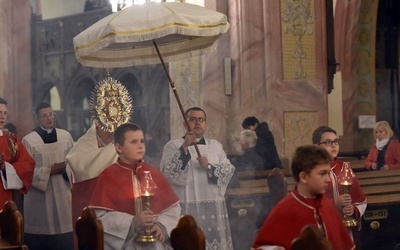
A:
[111,104]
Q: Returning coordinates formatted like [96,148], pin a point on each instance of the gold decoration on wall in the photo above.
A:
[298,40]
[366,77]
[298,128]
[111,104]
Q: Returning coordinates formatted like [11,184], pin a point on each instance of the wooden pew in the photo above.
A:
[260,174]
[381,188]
[11,227]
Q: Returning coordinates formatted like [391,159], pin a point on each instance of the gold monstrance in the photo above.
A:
[147,190]
[345,178]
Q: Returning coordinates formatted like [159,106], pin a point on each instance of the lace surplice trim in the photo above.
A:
[224,173]
[174,172]
[215,244]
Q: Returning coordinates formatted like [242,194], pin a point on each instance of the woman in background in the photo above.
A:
[385,153]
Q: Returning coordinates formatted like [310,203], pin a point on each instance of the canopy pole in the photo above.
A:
[176,94]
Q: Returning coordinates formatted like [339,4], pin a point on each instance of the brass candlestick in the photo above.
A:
[347,220]
[345,178]
[147,191]
[146,235]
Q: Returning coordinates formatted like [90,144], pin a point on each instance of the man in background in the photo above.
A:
[47,206]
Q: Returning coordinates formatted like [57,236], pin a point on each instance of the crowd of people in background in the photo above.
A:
[52,178]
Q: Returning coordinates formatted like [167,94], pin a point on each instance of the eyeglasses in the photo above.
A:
[51,114]
[329,143]
[196,119]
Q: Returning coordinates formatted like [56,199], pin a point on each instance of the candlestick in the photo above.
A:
[147,190]
[345,178]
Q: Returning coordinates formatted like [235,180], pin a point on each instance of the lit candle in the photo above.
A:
[346,183]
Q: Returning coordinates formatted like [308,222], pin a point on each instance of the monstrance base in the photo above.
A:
[146,238]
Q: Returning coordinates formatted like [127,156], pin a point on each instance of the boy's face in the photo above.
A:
[133,149]
[316,182]
[329,141]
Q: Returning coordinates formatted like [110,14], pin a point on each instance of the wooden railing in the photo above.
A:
[380,187]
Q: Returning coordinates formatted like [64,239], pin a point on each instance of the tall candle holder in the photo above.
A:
[346,178]
[147,190]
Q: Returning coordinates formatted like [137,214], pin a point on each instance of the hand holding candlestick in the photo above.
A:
[345,178]
[147,190]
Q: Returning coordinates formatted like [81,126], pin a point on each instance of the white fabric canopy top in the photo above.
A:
[125,38]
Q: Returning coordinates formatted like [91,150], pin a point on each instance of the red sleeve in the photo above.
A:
[393,155]
[371,158]
[24,166]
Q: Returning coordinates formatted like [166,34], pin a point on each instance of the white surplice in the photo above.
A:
[199,197]
[47,205]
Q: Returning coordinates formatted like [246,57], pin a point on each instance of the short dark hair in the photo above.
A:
[317,134]
[40,106]
[306,158]
[195,109]
[3,101]
[11,127]
[119,133]
[249,121]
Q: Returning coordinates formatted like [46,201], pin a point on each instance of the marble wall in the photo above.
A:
[267,78]
[15,66]
[259,86]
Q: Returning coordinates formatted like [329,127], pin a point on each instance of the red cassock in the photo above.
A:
[356,193]
[291,214]
[114,188]
[20,159]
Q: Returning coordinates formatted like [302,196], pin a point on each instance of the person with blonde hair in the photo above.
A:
[249,159]
[385,153]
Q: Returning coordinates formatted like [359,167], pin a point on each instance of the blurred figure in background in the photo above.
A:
[265,145]
[385,153]
[249,159]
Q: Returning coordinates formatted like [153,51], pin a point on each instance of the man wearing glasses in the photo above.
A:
[353,204]
[47,206]
[200,181]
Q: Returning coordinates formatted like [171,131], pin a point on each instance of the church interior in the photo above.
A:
[295,64]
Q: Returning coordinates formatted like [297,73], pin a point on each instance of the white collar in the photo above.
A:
[47,130]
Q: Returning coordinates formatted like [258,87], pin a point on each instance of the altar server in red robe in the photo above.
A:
[116,197]
[305,205]
[16,165]
[353,204]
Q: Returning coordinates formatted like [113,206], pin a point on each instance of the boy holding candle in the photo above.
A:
[116,198]
[305,205]
[353,204]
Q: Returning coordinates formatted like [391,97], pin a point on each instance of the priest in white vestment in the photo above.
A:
[47,205]
[201,182]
